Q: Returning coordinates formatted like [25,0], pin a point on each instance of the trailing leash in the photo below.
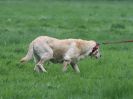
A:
[94,50]
[117,42]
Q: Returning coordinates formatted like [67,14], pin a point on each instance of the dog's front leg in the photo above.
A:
[75,67]
[65,65]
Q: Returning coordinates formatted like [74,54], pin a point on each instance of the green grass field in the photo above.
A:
[110,77]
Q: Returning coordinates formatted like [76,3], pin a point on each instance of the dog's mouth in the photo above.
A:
[95,56]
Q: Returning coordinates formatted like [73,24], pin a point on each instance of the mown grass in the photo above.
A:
[107,78]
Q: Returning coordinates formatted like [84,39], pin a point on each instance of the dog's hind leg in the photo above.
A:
[75,67]
[39,65]
[43,53]
[36,59]
[45,57]
[40,68]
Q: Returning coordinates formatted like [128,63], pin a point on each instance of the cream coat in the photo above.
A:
[66,51]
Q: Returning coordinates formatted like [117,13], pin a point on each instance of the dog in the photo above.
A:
[65,51]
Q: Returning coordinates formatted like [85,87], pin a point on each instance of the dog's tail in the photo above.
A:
[29,54]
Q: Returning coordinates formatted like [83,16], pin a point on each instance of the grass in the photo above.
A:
[107,78]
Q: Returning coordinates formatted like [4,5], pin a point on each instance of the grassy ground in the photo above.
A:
[111,77]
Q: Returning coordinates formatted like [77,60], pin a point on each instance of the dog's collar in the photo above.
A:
[94,49]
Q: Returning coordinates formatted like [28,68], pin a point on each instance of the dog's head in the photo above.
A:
[95,51]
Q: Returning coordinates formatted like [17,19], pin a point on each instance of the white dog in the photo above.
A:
[67,51]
